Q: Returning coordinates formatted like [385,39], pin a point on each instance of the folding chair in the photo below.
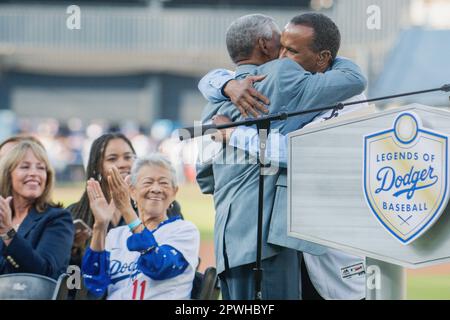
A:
[26,286]
[205,286]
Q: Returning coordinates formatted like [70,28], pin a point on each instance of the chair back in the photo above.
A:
[26,286]
[61,291]
[205,285]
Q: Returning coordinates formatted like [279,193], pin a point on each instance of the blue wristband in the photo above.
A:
[134,224]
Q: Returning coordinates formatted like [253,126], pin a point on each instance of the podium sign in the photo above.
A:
[406,177]
[374,185]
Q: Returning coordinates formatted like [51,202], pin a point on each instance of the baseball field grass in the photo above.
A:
[431,283]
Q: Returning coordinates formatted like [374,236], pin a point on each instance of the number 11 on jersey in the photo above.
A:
[136,286]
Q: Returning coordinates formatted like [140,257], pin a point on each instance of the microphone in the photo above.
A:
[204,129]
[197,131]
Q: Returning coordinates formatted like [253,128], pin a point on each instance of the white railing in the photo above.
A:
[172,29]
[181,40]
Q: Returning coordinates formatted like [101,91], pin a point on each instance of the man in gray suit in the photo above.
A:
[252,45]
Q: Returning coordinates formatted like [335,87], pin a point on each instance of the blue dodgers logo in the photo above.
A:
[406,177]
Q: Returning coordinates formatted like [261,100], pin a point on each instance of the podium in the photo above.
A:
[375,185]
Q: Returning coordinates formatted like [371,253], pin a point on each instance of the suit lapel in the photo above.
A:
[29,222]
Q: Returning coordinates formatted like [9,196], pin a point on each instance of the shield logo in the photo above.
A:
[406,177]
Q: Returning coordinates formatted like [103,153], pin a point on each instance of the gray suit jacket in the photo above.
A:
[232,175]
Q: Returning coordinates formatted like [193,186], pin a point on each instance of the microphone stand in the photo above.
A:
[263,127]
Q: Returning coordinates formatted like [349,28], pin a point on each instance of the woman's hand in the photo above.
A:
[119,189]
[103,212]
[5,215]
[120,192]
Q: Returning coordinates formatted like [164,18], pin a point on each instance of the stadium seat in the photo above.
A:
[61,291]
[205,285]
[27,286]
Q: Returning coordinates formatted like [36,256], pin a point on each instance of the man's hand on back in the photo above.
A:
[245,97]
[224,135]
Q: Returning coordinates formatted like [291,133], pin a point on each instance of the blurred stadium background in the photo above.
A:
[134,66]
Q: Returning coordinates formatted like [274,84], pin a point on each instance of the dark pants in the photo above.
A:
[280,279]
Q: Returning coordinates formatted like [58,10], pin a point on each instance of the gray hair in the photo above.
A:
[243,35]
[153,160]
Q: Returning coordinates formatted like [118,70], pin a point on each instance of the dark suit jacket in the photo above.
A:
[42,244]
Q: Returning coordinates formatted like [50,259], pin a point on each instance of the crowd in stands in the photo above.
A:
[68,144]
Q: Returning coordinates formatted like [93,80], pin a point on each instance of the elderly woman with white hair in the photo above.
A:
[153,257]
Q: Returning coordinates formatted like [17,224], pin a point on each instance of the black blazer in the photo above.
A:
[42,244]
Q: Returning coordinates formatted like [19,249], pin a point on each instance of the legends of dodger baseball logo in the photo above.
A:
[406,177]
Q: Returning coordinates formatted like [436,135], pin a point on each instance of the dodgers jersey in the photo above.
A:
[129,283]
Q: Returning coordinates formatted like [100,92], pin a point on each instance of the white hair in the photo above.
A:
[243,34]
[153,160]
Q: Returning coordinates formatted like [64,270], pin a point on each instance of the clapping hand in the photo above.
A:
[103,212]
[5,214]
[120,190]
